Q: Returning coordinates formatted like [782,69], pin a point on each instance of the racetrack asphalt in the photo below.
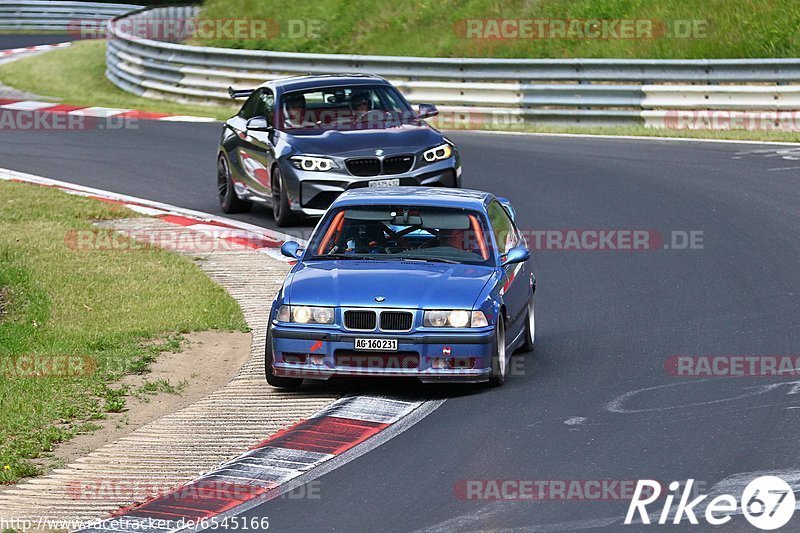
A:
[32,39]
[594,400]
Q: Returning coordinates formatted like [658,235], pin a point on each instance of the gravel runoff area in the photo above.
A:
[178,447]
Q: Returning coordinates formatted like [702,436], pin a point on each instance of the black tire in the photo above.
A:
[498,375]
[228,200]
[281,211]
[277,381]
[530,329]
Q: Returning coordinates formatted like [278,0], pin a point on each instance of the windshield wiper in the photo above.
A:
[428,259]
[341,256]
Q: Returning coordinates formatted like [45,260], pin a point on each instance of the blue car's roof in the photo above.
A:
[423,196]
[325,80]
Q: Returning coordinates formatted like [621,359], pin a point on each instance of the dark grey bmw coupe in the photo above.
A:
[298,143]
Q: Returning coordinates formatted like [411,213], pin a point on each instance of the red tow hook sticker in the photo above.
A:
[316,346]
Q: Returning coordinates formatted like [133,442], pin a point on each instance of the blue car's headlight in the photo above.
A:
[438,153]
[454,319]
[312,164]
[305,314]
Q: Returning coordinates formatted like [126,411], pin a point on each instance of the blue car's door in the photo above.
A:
[516,278]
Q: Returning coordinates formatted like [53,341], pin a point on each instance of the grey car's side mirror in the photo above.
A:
[427,110]
[292,249]
[518,254]
[258,124]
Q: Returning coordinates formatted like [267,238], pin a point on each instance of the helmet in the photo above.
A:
[359,97]
[295,100]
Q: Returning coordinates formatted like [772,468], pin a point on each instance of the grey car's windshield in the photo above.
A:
[343,108]
[434,234]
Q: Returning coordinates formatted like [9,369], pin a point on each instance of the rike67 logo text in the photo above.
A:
[767,503]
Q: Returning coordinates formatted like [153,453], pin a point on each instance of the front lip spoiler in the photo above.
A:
[480,375]
[480,337]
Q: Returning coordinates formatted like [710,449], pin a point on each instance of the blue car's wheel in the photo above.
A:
[500,358]
[530,329]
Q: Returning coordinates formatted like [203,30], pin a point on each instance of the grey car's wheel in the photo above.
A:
[272,379]
[499,359]
[530,329]
[281,210]
[228,200]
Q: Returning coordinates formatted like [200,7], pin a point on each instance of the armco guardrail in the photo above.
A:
[570,91]
[54,15]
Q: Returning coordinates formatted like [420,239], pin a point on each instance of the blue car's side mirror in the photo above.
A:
[518,254]
[291,249]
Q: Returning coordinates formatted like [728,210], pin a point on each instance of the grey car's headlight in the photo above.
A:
[438,153]
[312,164]
[456,318]
[305,314]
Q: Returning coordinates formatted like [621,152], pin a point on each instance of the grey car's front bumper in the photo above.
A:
[312,192]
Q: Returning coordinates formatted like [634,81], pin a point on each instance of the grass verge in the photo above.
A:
[693,28]
[76,320]
[76,76]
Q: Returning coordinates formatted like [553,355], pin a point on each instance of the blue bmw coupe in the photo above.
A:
[422,282]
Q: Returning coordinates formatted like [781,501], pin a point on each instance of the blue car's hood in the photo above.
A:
[405,138]
[403,284]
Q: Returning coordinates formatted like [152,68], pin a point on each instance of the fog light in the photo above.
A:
[462,363]
[317,359]
[438,363]
[294,358]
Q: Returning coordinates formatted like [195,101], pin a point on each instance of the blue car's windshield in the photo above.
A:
[344,108]
[438,234]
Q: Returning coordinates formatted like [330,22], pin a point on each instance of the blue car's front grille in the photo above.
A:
[360,320]
[396,321]
[365,166]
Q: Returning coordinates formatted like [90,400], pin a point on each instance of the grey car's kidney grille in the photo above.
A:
[359,320]
[364,166]
[398,164]
[396,320]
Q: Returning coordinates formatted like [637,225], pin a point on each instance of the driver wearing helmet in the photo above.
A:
[360,104]
[295,107]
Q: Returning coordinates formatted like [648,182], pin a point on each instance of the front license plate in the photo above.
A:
[385,183]
[377,345]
